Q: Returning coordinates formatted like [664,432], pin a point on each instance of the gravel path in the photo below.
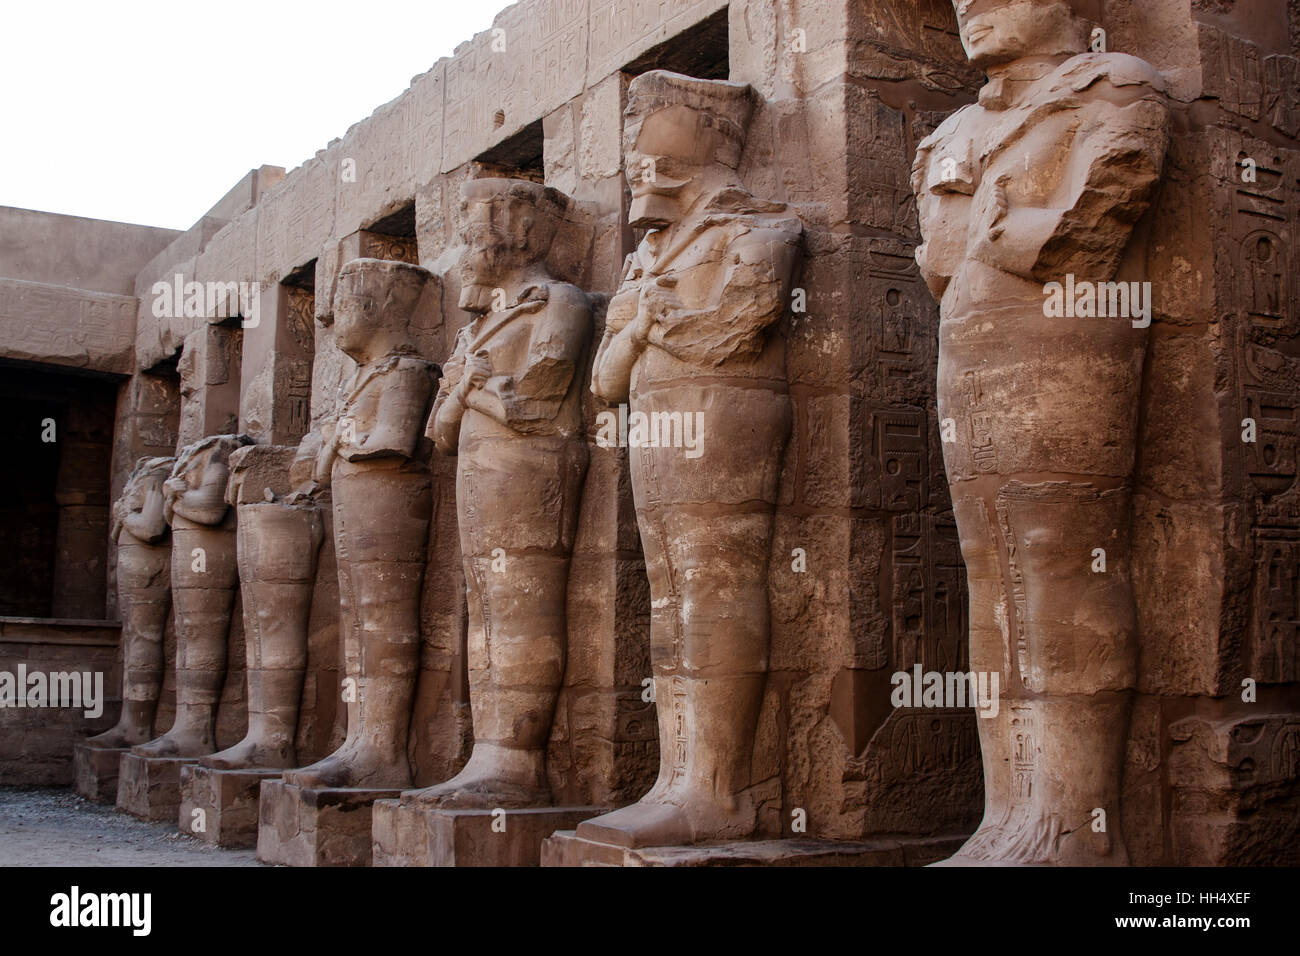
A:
[56,827]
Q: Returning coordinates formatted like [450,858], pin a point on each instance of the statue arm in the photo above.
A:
[402,406]
[623,341]
[559,337]
[1113,171]
[749,297]
[443,428]
[611,373]
[206,504]
[323,463]
[148,524]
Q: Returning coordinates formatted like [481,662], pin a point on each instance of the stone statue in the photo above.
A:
[205,577]
[279,540]
[144,598]
[510,406]
[1031,192]
[686,342]
[375,461]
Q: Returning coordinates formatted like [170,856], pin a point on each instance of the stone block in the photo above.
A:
[95,771]
[407,835]
[150,787]
[567,849]
[221,806]
[298,827]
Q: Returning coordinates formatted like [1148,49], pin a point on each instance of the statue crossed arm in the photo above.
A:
[701,314]
[1087,161]
[522,399]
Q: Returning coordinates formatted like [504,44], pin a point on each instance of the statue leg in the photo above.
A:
[204,580]
[1079,633]
[144,599]
[278,545]
[706,526]
[990,619]
[518,503]
[1046,418]
[381,527]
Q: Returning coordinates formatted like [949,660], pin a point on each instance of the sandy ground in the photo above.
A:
[55,827]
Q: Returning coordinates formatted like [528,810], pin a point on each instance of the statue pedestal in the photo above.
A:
[229,801]
[412,835]
[150,787]
[328,827]
[94,771]
[566,848]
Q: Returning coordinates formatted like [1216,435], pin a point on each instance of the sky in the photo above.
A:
[148,112]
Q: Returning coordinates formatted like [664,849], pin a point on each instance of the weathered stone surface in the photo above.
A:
[410,835]
[37,743]
[279,537]
[307,827]
[866,578]
[566,849]
[373,459]
[144,557]
[697,300]
[1235,791]
[76,253]
[293,218]
[509,407]
[77,328]
[221,806]
[205,582]
[95,772]
[150,787]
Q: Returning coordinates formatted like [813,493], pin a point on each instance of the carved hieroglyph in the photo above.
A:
[1040,182]
[687,345]
[205,577]
[279,540]
[144,598]
[375,460]
[510,407]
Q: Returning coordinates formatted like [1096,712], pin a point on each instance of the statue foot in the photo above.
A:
[978,850]
[481,790]
[176,743]
[1039,839]
[673,820]
[117,737]
[252,753]
[353,766]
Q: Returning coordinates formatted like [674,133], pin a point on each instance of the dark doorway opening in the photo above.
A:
[518,156]
[55,491]
[700,51]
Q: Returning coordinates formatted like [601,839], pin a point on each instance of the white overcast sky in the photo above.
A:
[148,111]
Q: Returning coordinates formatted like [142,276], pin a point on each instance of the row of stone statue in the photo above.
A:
[1045,176]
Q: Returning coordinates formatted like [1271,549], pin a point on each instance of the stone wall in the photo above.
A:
[66,285]
[1212,764]
[36,742]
